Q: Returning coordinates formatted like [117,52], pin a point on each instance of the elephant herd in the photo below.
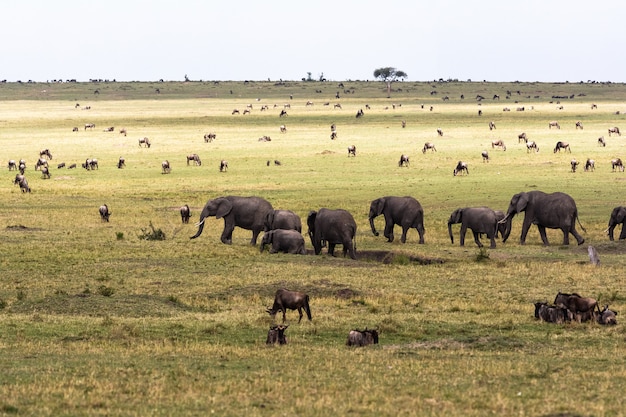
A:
[330,227]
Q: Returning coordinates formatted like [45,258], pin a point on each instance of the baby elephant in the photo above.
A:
[287,241]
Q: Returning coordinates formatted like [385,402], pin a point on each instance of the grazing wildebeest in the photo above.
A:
[61,165]
[552,314]
[277,162]
[574,163]
[283,112]
[265,138]
[195,158]
[209,137]
[185,213]
[616,164]
[235,111]
[554,123]
[351,150]
[590,165]
[439,132]
[45,154]
[41,162]
[522,137]
[579,125]
[607,316]
[121,163]
[223,165]
[123,131]
[292,300]
[109,129]
[75,129]
[485,156]
[404,161]
[365,337]
[576,304]
[12,165]
[427,146]
[492,125]
[24,187]
[562,145]
[276,334]
[337,106]
[531,145]
[145,142]
[601,141]
[165,167]
[498,144]
[104,213]
[45,172]
[403,124]
[614,130]
[594,106]
[90,164]
[359,113]
[90,126]
[283,129]
[333,135]
[460,168]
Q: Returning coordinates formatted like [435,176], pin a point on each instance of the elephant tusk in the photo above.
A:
[200,222]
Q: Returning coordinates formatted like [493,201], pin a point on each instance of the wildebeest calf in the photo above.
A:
[276,334]
[292,300]
[362,337]
[104,212]
[607,316]
[185,213]
[552,314]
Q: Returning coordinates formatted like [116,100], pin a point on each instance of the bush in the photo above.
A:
[152,234]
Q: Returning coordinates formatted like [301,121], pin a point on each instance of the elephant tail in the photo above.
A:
[581,226]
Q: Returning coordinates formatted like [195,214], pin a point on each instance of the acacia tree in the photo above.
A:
[389,75]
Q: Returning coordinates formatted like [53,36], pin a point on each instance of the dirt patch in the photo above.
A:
[22,228]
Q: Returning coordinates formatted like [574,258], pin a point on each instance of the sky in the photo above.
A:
[141,40]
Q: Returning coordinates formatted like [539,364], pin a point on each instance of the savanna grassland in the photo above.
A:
[97,320]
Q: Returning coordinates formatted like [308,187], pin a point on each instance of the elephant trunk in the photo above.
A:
[450,231]
[200,225]
[372,226]
[610,230]
[509,222]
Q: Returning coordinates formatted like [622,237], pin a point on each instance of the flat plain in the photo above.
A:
[95,319]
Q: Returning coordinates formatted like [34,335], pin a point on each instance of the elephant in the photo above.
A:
[332,227]
[552,211]
[617,216]
[479,220]
[246,212]
[282,219]
[406,212]
[287,241]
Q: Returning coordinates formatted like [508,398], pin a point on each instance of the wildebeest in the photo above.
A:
[427,146]
[485,156]
[41,162]
[165,167]
[554,123]
[351,150]
[616,164]
[24,187]
[283,129]
[61,165]
[359,113]
[601,141]
[614,130]
[576,304]
[90,164]
[235,111]
[333,135]
[531,145]
[492,125]
[498,144]
[75,129]
[552,314]
[109,129]
[90,126]
[404,161]
[574,163]
[209,137]
[283,112]
[145,142]
[223,165]
[185,213]
[121,163]
[292,300]
[607,316]
[460,168]
[365,337]
[579,125]
[195,158]
[45,172]
[522,137]
[123,131]
[12,165]
[45,154]
[276,334]
[265,138]
[72,166]
[403,124]
[562,145]
[104,213]
[439,132]
[590,165]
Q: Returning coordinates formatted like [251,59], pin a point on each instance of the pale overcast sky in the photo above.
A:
[141,40]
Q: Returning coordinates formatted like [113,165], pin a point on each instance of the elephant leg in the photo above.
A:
[525,227]
[493,242]
[227,234]
[331,249]
[622,235]
[255,235]
[544,237]
[420,231]
[405,229]
[462,237]
[579,239]
[389,232]
[477,239]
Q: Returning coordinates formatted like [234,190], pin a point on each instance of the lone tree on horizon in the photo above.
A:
[389,75]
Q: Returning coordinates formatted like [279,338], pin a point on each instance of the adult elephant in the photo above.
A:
[246,212]
[287,241]
[552,211]
[406,212]
[282,219]
[618,215]
[479,220]
[332,227]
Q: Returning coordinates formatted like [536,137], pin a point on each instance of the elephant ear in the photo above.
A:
[522,202]
[310,220]
[379,206]
[621,215]
[457,216]
[223,208]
